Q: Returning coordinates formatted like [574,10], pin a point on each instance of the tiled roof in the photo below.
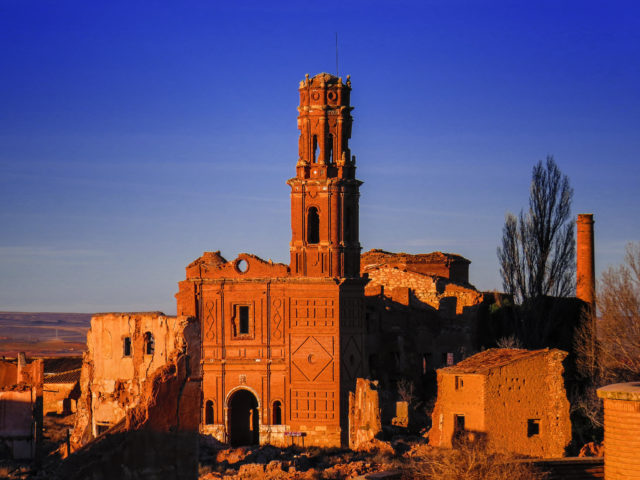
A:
[71,376]
[493,358]
[61,364]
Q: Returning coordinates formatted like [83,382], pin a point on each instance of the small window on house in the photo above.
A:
[149,345]
[533,427]
[450,359]
[208,413]
[313,226]
[277,413]
[459,383]
[101,428]
[426,362]
[126,347]
[243,319]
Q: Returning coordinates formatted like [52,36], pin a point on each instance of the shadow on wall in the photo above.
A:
[409,339]
[472,439]
[18,425]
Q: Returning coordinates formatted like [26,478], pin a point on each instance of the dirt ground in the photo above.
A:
[271,463]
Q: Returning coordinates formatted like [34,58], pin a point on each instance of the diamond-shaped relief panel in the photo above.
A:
[311,358]
[351,357]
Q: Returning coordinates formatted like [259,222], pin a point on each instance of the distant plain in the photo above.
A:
[43,334]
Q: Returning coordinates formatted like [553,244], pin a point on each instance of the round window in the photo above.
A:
[242,266]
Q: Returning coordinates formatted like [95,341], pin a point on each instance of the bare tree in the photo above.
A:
[537,255]
[607,344]
[509,342]
[618,325]
[614,354]
[406,391]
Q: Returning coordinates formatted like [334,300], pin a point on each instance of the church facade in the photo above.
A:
[282,345]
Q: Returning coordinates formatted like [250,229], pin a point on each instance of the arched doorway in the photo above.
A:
[243,418]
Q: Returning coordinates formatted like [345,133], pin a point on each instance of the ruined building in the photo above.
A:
[21,408]
[268,352]
[140,369]
[421,314]
[259,352]
[514,399]
[282,345]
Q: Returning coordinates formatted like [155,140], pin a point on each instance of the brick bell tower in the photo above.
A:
[324,193]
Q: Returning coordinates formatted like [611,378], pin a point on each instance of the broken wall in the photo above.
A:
[21,409]
[8,374]
[417,323]
[448,298]
[123,377]
[364,414]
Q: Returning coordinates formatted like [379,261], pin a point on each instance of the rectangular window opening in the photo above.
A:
[459,383]
[450,360]
[533,427]
[126,347]
[101,428]
[243,320]
[458,424]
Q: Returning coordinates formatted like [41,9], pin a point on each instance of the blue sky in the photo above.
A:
[136,135]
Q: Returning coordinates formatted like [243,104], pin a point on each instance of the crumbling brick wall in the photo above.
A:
[416,320]
[132,382]
[448,298]
[445,265]
[364,414]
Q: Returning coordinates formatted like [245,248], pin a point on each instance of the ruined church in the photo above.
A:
[264,352]
[282,345]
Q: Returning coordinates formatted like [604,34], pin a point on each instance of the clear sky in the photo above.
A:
[134,135]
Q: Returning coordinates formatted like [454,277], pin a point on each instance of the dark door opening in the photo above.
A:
[243,419]
[458,428]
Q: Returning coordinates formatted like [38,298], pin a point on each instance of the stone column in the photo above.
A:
[621,430]
[585,264]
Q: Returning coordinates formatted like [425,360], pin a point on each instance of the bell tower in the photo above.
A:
[325,193]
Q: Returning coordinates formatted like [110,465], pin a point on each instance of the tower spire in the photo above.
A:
[325,192]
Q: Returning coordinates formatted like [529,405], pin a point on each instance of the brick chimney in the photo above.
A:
[585,264]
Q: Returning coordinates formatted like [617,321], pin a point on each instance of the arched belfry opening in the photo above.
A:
[314,158]
[329,155]
[244,424]
[313,226]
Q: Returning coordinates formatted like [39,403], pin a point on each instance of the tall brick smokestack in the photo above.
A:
[585,264]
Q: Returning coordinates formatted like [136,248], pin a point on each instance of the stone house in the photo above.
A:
[61,391]
[513,398]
